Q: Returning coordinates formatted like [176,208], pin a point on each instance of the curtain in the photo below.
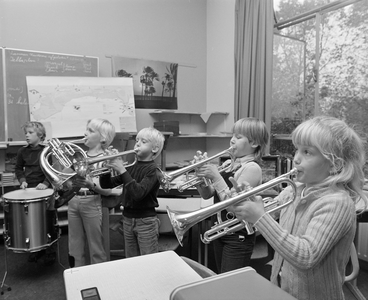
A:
[253,59]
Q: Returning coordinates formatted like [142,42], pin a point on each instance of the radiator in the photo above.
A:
[362,248]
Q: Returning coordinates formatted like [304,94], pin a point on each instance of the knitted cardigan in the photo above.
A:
[312,242]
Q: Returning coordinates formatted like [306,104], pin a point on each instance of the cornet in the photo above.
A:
[181,223]
[168,177]
[200,180]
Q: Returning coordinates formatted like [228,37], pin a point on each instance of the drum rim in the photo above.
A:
[21,201]
[38,198]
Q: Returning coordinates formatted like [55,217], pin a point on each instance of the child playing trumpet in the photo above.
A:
[248,143]
[313,237]
[140,187]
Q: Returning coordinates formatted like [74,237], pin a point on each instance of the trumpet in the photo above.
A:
[200,180]
[168,177]
[181,223]
[83,168]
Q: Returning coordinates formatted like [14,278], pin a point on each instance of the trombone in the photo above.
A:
[168,177]
[181,223]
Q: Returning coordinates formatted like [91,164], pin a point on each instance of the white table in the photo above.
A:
[152,276]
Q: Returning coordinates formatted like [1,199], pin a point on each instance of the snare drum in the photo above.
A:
[25,224]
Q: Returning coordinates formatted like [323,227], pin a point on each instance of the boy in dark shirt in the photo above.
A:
[27,167]
[30,175]
[139,198]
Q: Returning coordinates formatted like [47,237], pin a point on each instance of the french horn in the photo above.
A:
[61,161]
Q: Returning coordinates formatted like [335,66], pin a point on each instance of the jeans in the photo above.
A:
[85,224]
[141,235]
[233,251]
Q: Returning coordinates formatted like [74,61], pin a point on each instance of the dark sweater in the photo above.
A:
[27,167]
[140,188]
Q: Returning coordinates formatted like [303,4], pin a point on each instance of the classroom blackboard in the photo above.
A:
[21,63]
[2,103]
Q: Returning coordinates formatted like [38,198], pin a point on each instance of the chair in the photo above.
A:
[203,271]
[350,280]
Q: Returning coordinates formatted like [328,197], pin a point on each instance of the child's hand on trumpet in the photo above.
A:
[199,156]
[82,182]
[249,210]
[207,170]
[110,151]
[117,163]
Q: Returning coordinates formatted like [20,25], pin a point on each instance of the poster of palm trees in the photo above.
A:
[154,82]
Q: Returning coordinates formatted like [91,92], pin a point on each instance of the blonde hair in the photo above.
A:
[342,146]
[38,128]
[105,129]
[256,132]
[155,137]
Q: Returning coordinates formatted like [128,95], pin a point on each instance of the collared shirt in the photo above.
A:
[241,168]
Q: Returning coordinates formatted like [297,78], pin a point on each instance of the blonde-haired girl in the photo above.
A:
[313,237]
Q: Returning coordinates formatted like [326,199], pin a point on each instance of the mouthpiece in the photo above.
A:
[76,141]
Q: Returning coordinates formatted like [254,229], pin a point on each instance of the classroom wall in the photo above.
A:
[220,70]
[196,34]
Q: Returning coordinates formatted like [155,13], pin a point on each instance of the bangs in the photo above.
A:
[146,133]
[303,136]
[311,134]
[95,124]
[237,128]
[247,127]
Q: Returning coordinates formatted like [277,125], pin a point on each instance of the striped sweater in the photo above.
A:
[312,242]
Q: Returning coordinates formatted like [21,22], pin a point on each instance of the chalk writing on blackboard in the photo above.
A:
[3,118]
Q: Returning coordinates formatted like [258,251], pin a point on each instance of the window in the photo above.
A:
[327,77]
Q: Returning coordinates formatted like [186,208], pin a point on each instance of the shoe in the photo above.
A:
[35,256]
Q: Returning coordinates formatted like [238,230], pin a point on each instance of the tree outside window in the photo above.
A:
[341,75]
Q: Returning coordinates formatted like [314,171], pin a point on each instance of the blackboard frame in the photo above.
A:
[3,123]
[19,63]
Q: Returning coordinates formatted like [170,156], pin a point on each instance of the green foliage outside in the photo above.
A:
[342,73]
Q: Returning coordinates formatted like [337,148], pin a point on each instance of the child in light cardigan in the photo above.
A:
[313,237]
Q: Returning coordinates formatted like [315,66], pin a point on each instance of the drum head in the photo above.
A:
[28,194]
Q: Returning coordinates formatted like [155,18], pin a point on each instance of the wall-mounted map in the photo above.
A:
[65,104]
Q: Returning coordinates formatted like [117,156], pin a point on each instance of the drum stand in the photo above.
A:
[3,285]
[6,287]
[58,249]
